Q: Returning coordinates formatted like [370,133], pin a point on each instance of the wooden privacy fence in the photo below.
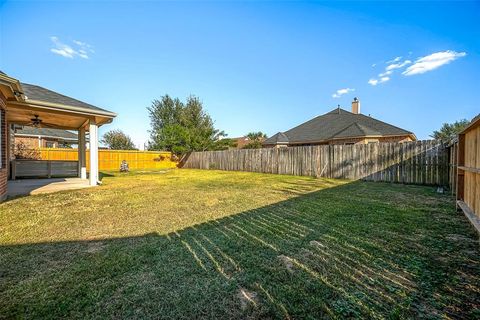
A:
[418,162]
[111,159]
[465,170]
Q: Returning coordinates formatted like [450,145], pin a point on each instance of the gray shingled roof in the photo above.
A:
[56,133]
[277,138]
[35,92]
[336,124]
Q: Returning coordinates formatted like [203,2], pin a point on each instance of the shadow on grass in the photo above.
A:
[103,174]
[357,250]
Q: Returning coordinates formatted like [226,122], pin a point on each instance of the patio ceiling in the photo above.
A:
[51,118]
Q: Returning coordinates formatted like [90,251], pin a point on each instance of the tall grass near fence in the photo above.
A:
[419,162]
[111,159]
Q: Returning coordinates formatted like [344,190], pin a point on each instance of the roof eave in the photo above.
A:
[63,107]
[14,85]
[353,137]
[375,136]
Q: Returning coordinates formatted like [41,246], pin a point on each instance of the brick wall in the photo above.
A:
[29,142]
[32,142]
[3,146]
[371,140]
[396,139]
[352,141]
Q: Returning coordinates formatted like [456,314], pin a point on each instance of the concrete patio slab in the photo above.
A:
[37,186]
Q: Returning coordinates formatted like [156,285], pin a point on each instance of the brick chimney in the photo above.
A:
[356,106]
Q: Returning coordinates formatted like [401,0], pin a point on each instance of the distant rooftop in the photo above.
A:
[46,132]
[336,124]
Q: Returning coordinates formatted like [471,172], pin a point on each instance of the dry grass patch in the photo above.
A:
[209,244]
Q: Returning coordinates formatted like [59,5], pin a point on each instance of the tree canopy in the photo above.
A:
[256,139]
[118,140]
[448,131]
[183,127]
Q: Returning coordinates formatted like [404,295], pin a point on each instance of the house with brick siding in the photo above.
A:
[23,104]
[33,137]
[340,126]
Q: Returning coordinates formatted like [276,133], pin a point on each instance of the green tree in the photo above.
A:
[182,127]
[225,143]
[448,131]
[256,139]
[118,140]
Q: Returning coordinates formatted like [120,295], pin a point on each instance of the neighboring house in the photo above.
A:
[31,105]
[340,127]
[33,137]
[240,142]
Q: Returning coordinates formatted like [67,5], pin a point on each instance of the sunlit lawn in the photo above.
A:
[210,244]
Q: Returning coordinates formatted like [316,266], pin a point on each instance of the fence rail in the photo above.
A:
[111,159]
[418,162]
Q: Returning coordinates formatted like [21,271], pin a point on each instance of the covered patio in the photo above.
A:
[32,105]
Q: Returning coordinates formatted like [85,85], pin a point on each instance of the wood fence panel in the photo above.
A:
[111,159]
[418,162]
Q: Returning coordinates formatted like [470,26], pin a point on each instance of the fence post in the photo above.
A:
[419,162]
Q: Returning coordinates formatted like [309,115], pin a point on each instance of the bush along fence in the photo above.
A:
[112,159]
[419,162]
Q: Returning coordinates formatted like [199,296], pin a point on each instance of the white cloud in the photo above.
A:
[392,65]
[395,60]
[374,82]
[397,65]
[386,73]
[341,92]
[432,62]
[80,49]
[80,43]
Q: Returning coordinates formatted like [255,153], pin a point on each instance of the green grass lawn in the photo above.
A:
[209,244]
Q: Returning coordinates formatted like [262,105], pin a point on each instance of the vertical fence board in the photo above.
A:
[419,162]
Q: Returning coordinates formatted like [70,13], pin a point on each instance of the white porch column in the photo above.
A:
[93,153]
[82,154]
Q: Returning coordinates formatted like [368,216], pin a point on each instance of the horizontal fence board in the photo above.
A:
[112,159]
[419,162]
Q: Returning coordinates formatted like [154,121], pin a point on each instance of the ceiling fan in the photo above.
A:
[37,122]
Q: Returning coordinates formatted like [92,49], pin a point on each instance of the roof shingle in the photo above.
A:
[336,124]
[35,92]
[46,132]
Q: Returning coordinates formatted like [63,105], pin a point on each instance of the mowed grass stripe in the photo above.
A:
[208,244]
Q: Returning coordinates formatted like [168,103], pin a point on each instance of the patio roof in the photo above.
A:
[32,105]
[26,101]
[37,93]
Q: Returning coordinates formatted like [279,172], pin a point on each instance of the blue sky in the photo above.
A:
[256,65]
